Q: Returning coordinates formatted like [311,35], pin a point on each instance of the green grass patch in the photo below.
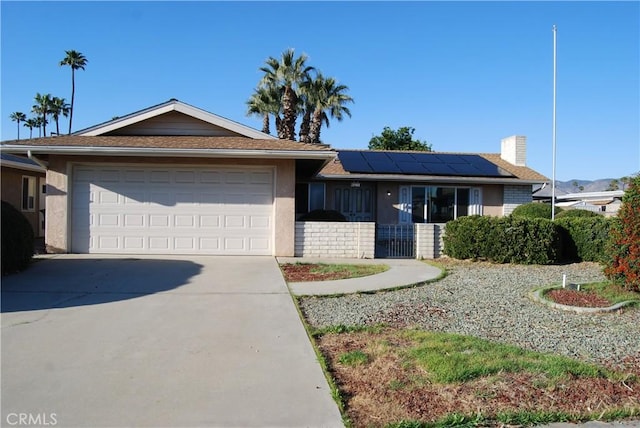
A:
[347,271]
[612,292]
[341,328]
[354,358]
[450,358]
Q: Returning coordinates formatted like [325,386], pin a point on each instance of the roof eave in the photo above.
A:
[171,152]
[169,106]
[435,178]
[24,166]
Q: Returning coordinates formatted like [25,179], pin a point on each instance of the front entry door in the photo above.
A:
[355,203]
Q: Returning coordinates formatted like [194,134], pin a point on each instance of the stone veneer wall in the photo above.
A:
[514,196]
[335,239]
[429,243]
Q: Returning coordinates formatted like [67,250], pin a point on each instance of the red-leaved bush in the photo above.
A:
[623,266]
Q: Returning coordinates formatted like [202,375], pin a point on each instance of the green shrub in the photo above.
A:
[623,251]
[534,210]
[322,215]
[467,237]
[584,238]
[503,240]
[577,213]
[17,240]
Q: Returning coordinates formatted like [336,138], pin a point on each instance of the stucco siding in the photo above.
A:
[12,193]
[492,197]
[173,123]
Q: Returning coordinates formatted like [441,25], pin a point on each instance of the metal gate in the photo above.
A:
[395,241]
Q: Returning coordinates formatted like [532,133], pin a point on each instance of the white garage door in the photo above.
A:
[172,210]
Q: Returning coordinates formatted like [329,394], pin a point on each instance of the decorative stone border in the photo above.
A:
[537,296]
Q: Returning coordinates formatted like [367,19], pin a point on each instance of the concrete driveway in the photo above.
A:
[158,341]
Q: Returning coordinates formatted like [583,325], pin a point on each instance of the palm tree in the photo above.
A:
[58,107]
[327,96]
[30,123]
[39,123]
[286,75]
[18,117]
[75,60]
[264,102]
[42,108]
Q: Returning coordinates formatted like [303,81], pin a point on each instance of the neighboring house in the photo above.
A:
[174,179]
[606,202]
[24,187]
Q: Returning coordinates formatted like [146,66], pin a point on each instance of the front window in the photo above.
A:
[438,204]
[28,193]
[309,197]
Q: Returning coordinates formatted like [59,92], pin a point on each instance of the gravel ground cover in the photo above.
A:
[490,301]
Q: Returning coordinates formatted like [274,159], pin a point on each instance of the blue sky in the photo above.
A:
[463,74]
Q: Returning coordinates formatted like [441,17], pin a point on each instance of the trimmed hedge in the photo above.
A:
[584,238]
[17,240]
[528,241]
[577,213]
[534,210]
[503,240]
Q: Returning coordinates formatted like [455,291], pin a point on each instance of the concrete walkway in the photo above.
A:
[402,272]
[158,342]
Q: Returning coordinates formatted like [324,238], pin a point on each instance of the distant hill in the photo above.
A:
[573,186]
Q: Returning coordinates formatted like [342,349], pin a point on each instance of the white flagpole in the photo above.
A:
[553,183]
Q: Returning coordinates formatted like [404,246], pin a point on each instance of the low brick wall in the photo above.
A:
[429,240]
[335,239]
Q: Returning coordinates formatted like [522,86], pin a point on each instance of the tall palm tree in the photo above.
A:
[75,60]
[42,108]
[30,123]
[59,107]
[329,97]
[18,116]
[264,102]
[287,74]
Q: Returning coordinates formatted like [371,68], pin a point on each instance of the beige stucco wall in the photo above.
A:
[12,193]
[58,179]
[387,206]
[492,200]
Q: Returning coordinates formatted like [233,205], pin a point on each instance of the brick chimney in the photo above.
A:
[514,150]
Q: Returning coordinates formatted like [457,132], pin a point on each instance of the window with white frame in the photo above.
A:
[28,193]
[435,204]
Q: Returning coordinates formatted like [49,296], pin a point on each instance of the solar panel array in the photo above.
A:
[427,163]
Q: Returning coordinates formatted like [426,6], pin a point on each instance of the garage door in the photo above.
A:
[172,210]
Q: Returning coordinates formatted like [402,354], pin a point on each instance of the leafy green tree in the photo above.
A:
[624,247]
[30,123]
[18,117]
[76,61]
[613,185]
[402,139]
[58,107]
[625,181]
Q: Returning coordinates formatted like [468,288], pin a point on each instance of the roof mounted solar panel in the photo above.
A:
[411,168]
[353,161]
[419,163]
